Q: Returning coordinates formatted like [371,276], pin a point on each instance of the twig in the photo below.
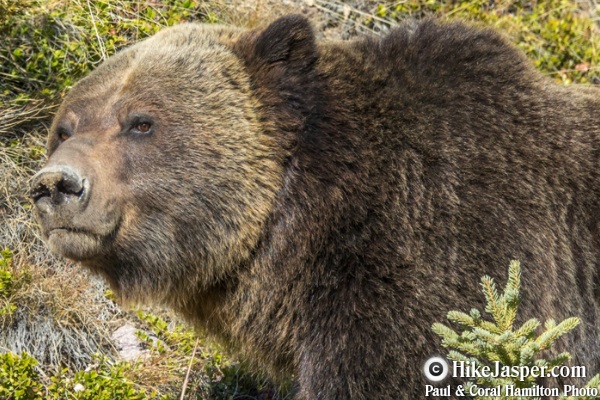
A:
[100,44]
[187,374]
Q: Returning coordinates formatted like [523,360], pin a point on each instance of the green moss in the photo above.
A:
[6,285]
[47,46]
[20,380]
[106,380]
[19,377]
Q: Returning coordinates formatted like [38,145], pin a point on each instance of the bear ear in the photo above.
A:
[290,40]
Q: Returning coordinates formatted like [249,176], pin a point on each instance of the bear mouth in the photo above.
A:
[78,243]
[63,230]
[66,229]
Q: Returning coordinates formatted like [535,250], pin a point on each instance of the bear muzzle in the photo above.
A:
[60,194]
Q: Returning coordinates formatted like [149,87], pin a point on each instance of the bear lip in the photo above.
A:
[71,230]
[65,228]
[80,230]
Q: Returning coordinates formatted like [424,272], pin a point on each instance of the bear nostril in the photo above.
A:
[69,186]
[39,191]
[58,184]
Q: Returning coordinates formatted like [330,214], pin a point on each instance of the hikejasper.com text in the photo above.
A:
[467,369]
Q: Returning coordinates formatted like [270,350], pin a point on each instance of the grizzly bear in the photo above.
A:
[317,206]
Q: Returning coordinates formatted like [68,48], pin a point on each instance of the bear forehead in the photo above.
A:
[183,53]
[186,43]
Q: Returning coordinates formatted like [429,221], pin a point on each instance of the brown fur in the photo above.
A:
[319,206]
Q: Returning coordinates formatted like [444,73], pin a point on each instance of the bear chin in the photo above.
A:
[75,244]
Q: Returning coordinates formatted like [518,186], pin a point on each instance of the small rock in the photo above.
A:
[128,344]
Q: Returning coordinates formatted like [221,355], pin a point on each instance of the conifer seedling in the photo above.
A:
[483,343]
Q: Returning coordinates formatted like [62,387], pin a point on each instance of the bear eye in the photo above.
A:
[63,134]
[143,128]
